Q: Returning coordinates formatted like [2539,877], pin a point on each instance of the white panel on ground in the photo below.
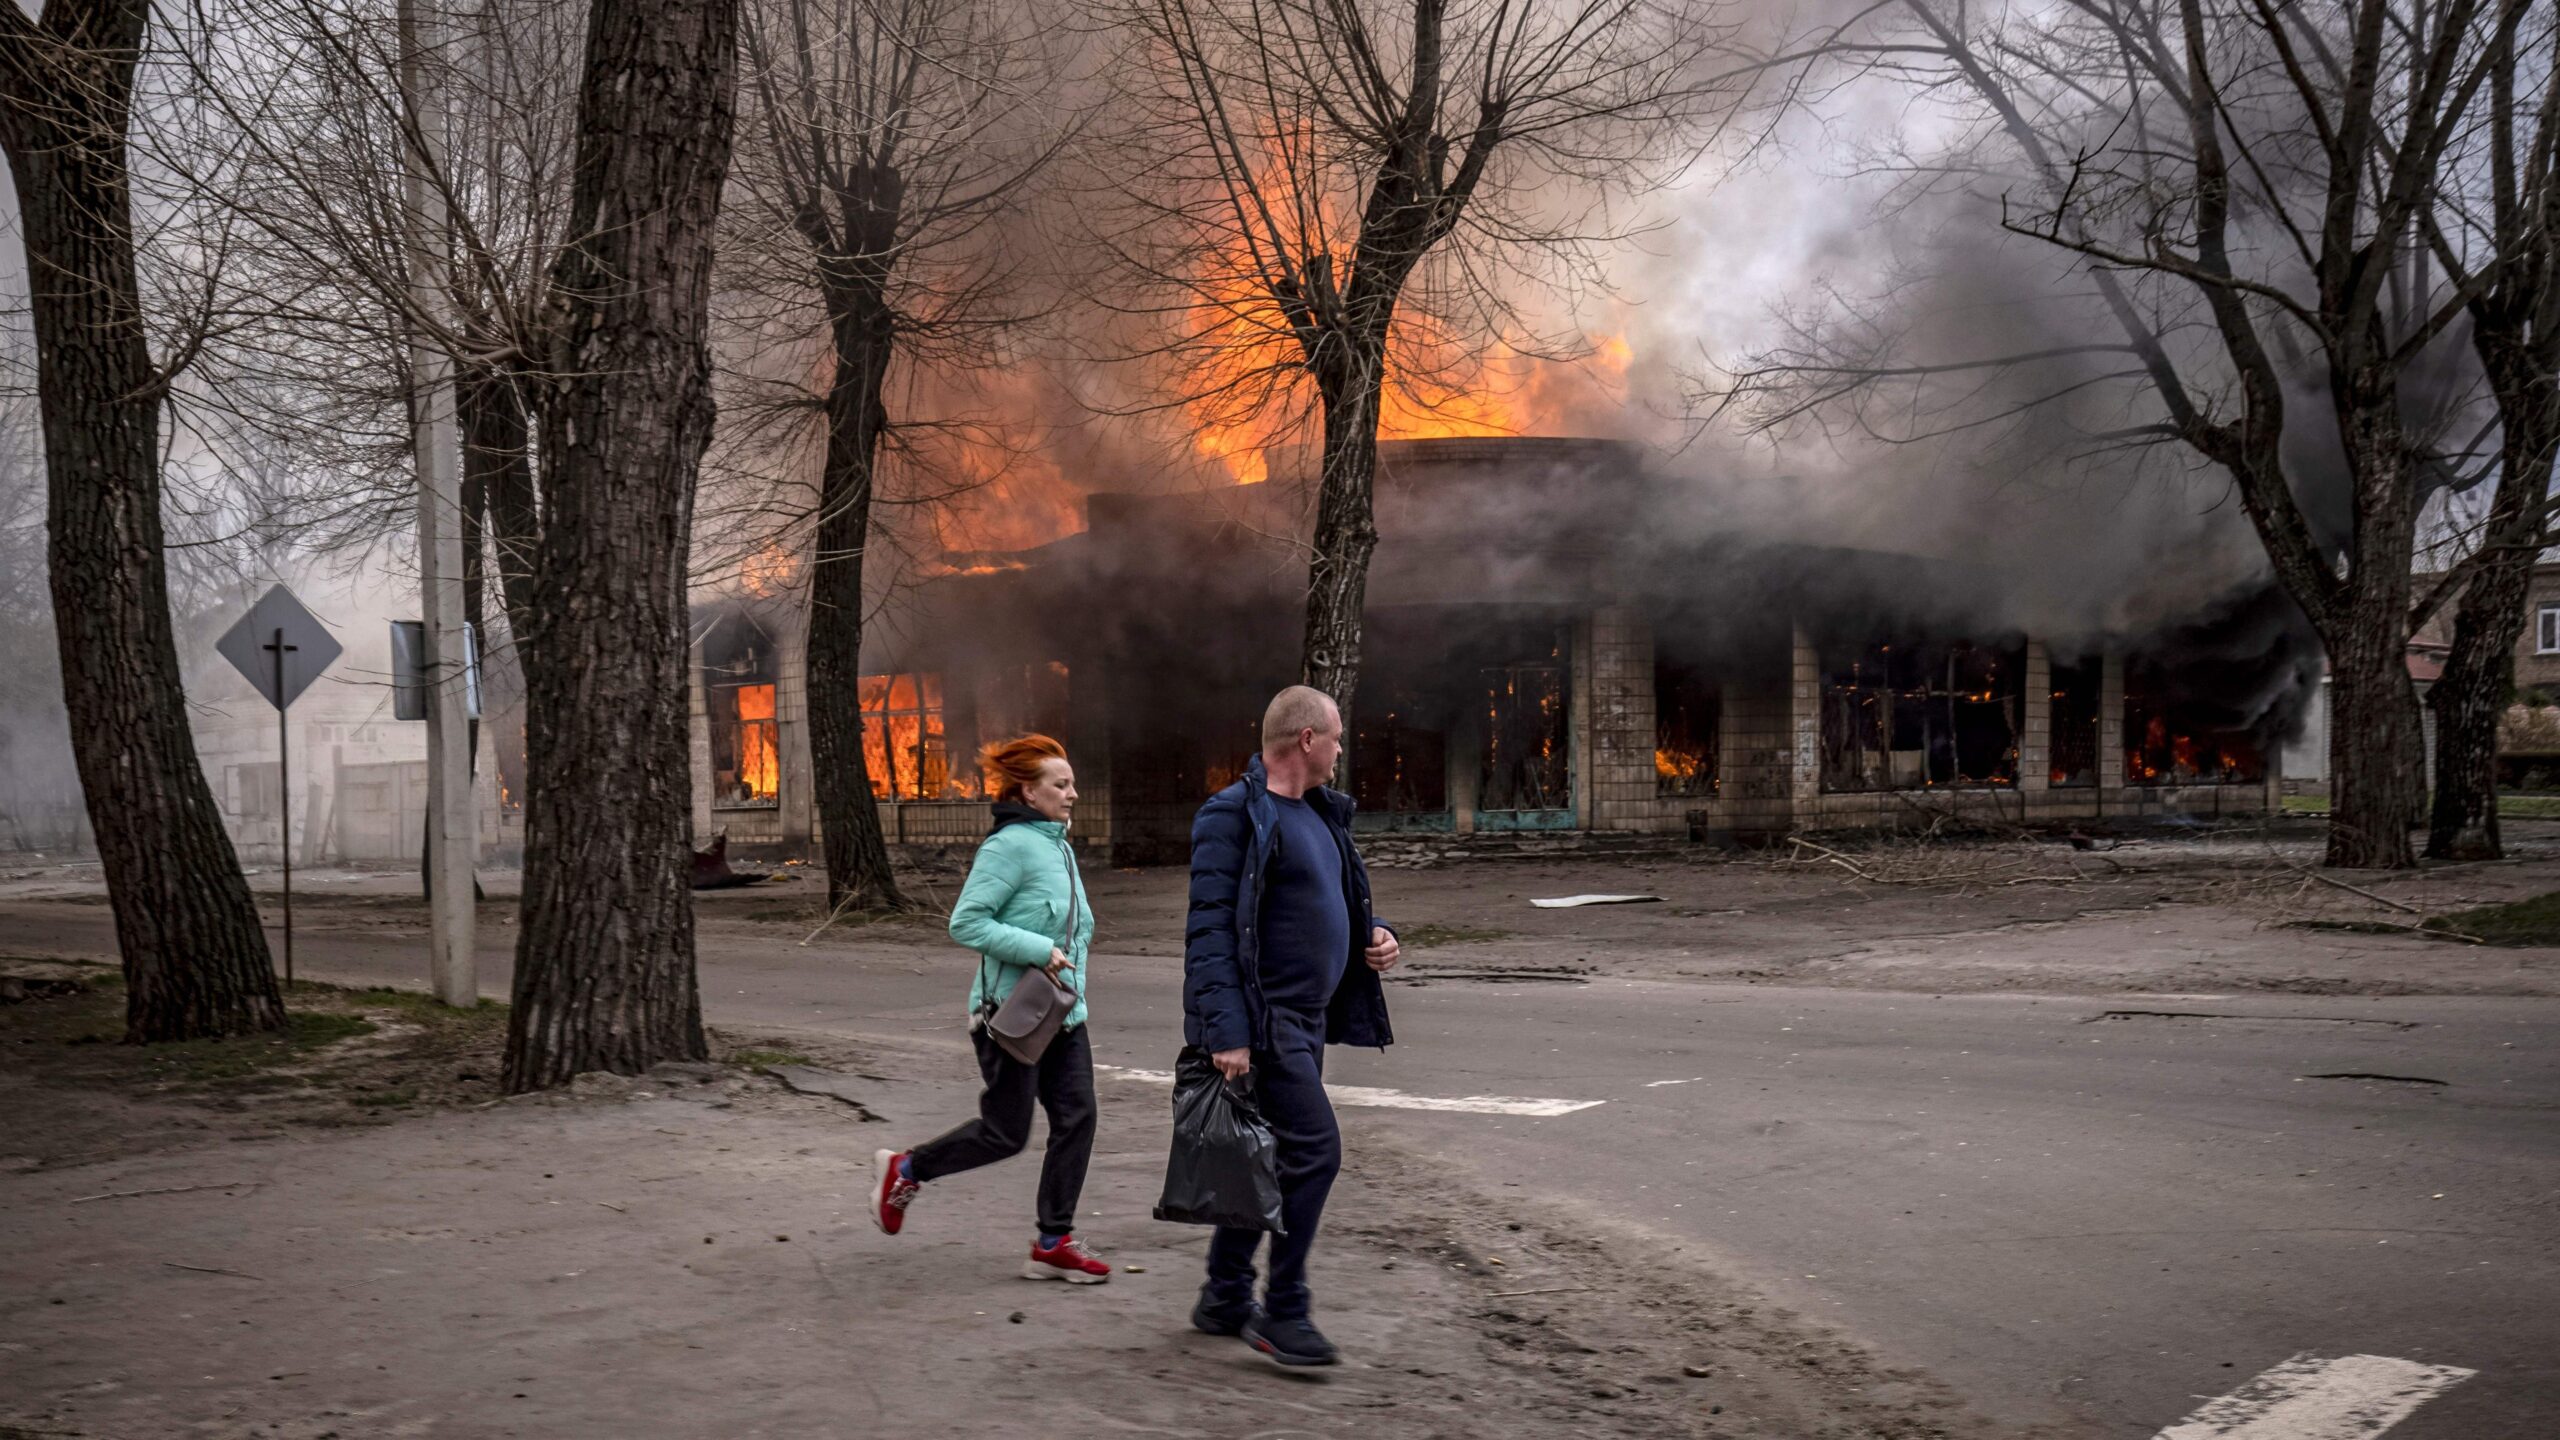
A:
[2354,1397]
[1398,1100]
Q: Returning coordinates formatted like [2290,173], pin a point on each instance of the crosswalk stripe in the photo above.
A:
[1398,1100]
[2353,1397]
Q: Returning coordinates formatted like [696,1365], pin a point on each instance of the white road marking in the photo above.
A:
[1658,1084]
[2354,1397]
[1398,1100]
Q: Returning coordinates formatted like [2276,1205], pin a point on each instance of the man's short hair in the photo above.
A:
[1300,707]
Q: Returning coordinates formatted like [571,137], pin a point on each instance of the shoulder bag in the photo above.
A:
[1037,1009]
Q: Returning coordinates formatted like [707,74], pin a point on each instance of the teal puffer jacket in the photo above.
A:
[1023,886]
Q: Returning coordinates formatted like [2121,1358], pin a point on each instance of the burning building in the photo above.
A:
[1541,654]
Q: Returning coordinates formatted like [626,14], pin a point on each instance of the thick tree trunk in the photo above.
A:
[857,854]
[605,955]
[2373,791]
[1346,534]
[2376,744]
[195,960]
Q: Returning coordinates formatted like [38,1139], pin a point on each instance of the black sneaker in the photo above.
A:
[1291,1342]
[1210,1318]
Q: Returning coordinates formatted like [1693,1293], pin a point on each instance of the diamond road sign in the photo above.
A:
[250,646]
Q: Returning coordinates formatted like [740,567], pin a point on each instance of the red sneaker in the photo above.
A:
[1065,1261]
[892,1192]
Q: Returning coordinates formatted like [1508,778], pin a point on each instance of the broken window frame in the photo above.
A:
[2072,724]
[740,658]
[1688,730]
[2153,728]
[1892,691]
[1546,777]
[1399,760]
[908,773]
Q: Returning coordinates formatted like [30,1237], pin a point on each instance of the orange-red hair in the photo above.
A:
[1012,765]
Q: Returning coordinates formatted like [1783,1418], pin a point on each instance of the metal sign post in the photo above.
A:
[280,648]
[284,796]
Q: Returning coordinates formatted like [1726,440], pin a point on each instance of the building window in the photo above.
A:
[2546,630]
[902,740]
[1399,750]
[257,791]
[2074,719]
[1688,716]
[2175,738]
[1913,717]
[1528,711]
[740,674]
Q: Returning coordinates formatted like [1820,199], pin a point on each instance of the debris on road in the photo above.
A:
[1575,902]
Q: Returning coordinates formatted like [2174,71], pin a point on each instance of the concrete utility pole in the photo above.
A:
[453,842]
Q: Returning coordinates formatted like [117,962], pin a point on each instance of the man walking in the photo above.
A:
[1279,915]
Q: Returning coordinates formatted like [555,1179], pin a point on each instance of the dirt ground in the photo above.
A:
[348,1235]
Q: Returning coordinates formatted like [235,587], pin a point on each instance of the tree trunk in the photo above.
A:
[497,464]
[605,955]
[2376,744]
[2377,793]
[195,960]
[1346,532]
[857,854]
[2479,673]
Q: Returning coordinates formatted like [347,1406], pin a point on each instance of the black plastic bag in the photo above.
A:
[1225,1166]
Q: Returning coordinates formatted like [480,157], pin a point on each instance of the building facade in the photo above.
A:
[1536,658]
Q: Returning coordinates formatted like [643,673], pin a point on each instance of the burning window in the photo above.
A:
[903,745]
[1399,752]
[740,666]
[2074,721]
[2174,737]
[1527,765]
[1688,715]
[1910,717]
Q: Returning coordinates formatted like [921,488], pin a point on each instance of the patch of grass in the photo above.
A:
[2306,804]
[212,1062]
[414,1006]
[413,1051]
[2521,922]
[758,1059]
[1425,937]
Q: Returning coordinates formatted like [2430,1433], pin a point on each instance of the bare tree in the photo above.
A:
[886,144]
[605,962]
[195,960]
[2244,189]
[2495,231]
[1326,191]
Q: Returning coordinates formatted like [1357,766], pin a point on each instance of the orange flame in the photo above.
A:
[759,760]
[768,571]
[1439,385]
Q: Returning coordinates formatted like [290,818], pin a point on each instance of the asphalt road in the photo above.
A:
[2094,1213]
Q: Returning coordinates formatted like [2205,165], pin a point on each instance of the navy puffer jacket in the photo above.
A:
[1231,847]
